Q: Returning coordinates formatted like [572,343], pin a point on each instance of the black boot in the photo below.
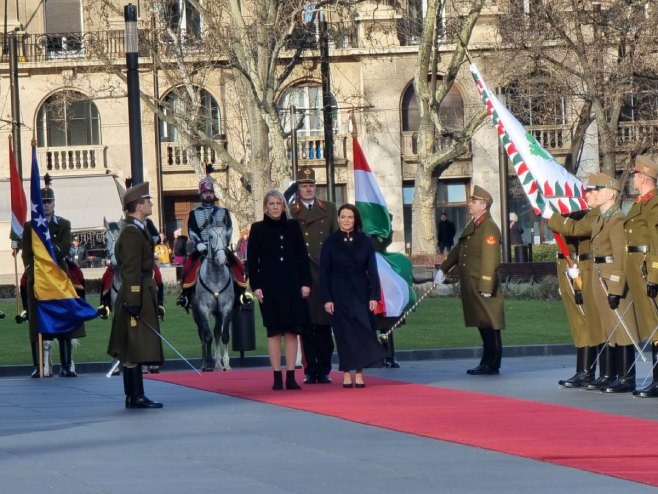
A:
[128,386]
[139,400]
[65,356]
[625,382]
[608,368]
[278,381]
[290,380]
[576,380]
[185,299]
[391,361]
[35,360]
[651,391]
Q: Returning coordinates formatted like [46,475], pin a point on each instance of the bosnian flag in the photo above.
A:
[59,308]
[18,201]
[546,183]
[395,270]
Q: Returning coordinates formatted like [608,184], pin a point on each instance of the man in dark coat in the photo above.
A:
[318,220]
[60,234]
[135,340]
[478,255]
[446,233]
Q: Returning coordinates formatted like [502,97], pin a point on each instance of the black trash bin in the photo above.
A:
[521,253]
[243,327]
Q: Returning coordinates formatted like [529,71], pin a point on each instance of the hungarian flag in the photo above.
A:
[59,308]
[546,183]
[18,201]
[395,270]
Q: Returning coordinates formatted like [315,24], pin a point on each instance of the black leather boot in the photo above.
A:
[651,391]
[608,369]
[185,299]
[391,362]
[128,386]
[139,400]
[278,380]
[65,356]
[576,380]
[35,360]
[625,382]
[290,380]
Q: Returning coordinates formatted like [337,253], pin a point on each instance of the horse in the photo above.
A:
[214,295]
[112,230]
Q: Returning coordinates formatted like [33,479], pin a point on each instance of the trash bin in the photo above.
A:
[243,328]
[521,253]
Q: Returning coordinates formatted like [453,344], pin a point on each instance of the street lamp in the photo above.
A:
[134,106]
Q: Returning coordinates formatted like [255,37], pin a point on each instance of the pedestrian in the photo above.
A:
[515,230]
[241,247]
[135,337]
[478,255]
[280,279]
[577,291]
[642,260]
[180,247]
[78,253]
[318,220]
[350,292]
[162,250]
[60,234]
[446,234]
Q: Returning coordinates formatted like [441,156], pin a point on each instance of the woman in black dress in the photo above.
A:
[350,291]
[280,278]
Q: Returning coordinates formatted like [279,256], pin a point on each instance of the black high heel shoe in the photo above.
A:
[348,385]
[359,385]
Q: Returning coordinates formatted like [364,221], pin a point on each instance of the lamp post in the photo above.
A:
[134,106]
[327,107]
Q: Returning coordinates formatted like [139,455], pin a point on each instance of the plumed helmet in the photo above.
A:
[206,185]
[47,192]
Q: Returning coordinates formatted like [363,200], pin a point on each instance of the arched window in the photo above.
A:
[451,110]
[68,118]
[179,107]
[641,103]
[536,101]
[307,100]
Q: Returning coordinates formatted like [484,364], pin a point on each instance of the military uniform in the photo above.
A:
[317,224]
[478,255]
[60,235]
[133,340]
[641,228]
[584,319]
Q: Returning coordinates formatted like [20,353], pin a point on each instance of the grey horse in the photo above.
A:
[214,295]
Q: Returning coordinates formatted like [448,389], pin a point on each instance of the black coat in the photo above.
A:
[349,279]
[278,265]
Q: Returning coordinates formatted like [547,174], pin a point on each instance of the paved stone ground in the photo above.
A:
[74,436]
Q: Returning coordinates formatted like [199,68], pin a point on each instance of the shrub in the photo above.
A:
[544,252]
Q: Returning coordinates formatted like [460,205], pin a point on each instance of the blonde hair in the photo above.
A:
[276,193]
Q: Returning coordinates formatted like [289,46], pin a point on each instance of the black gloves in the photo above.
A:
[578,297]
[613,301]
[652,289]
[133,310]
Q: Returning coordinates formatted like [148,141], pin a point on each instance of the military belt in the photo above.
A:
[146,274]
[586,256]
[637,248]
[562,256]
[603,259]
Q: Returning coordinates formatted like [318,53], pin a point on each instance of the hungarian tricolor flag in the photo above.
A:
[18,201]
[546,183]
[395,270]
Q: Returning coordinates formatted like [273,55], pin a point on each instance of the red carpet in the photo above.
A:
[596,442]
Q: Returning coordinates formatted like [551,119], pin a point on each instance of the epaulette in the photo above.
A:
[648,196]
[321,205]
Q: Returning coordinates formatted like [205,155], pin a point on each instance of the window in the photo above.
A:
[308,103]
[412,25]
[641,103]
[183,18]
[63,19]
[68,118]
[207,115]
[536,101]
[451,110]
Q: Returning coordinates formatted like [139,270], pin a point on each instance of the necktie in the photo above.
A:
[310,206]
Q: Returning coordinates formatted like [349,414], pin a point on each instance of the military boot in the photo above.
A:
[66,358]
[625,382]
[138,399]
[608,368]
[651,391]
[576,380]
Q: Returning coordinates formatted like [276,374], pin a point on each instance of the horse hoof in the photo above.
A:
[206,369]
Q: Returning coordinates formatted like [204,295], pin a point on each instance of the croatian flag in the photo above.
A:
[59,308]
[395,270]
[18,201]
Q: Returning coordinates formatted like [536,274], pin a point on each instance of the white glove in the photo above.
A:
[201,248]
[573,272]
[439,277]
[485,294]
[547,212]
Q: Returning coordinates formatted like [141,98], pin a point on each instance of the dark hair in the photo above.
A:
[358,224]
[131,207]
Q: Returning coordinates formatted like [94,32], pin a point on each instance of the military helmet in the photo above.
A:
[206,185]
[47,193]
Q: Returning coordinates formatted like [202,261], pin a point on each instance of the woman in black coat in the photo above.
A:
[350,290]
[280,278]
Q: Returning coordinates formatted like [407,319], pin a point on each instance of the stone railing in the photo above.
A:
[72,159]
[178,156]
[310,150]
[631,134]
[409,145]
[556,139]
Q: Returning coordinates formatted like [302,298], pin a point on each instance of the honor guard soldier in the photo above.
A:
[135,338]
[318,220]
[60,234]
[478,255]
[642,259]
[582,313]
[199,223]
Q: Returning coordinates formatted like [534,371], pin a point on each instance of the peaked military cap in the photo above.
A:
[645,165]
[136,192]
[306,176]
[482,195]
[602,181]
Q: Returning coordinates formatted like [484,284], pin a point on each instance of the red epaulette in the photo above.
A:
[321,205]
[479,221]
[648,196]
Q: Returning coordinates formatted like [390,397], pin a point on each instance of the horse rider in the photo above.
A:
[199,223]
[60,234]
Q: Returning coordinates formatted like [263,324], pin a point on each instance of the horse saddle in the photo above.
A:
[191,272]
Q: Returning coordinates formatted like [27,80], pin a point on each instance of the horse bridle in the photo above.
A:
[210,256]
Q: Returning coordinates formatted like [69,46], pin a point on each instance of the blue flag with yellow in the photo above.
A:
[59,308]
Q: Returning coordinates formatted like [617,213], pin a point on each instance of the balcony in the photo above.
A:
[409,145]
[556,139]
[310,150]
[636,135]
[176,156]
[73,160]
